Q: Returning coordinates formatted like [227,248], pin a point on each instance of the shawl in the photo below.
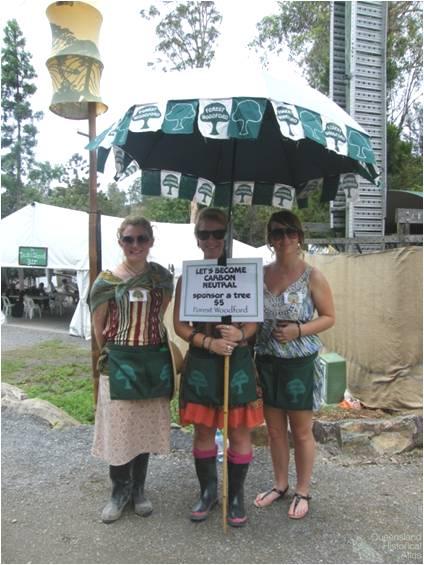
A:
[107,286]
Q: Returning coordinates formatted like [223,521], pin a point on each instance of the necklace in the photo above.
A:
[132,271]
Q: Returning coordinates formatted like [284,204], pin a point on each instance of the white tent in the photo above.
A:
[65,234]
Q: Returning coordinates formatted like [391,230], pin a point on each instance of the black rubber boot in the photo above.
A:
[236,476]
[142,506]
[208,479]
[121,492]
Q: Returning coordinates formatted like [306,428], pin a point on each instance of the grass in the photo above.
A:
[59,373]
[54,371]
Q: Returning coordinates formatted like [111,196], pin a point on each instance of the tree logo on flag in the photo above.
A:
[335,132]
[359,146]
[243,191]
[206,192]
[179,113]
[246,112]
[146,113]
[311,122]
[283,193]
[215,113]
[171,182]
[285,114]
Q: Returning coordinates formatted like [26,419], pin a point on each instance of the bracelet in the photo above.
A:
[203,341]
[193,333]
[299,329]
[243,337]
[210,344]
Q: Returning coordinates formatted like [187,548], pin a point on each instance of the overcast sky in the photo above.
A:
[126,45]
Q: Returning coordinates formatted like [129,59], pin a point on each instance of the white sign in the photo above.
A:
[211,291]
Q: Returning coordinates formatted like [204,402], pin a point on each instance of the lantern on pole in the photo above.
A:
[75,68]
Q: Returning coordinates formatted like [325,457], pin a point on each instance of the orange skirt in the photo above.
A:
[248,416]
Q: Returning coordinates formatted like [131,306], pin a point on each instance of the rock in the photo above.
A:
[379,437]
[326,432]
[15,399]
[11,393]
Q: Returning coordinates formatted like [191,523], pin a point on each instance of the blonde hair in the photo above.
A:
[136,221]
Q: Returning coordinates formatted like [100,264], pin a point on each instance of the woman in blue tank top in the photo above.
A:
[287,349]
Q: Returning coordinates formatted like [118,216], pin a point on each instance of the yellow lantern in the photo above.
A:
[75,66]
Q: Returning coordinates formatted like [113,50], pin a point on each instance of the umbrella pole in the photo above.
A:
[225,437]
[94,237]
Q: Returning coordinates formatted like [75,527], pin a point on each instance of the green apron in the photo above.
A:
[203,378]
[287,383]
[138,373]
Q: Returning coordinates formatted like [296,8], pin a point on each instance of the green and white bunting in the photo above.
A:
[171,184]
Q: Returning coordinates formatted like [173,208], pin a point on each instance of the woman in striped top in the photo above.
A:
[287,348]
[128,306]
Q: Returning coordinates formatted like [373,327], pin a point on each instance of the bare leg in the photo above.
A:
[240,440]
[204,437]
[276,421]
[304,455]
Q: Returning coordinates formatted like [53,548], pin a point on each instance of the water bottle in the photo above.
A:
[219,440]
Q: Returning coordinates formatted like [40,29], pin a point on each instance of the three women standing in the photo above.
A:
[201,391]
[128,306]
[287,348]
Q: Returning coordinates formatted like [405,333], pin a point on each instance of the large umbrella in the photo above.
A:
[244,137]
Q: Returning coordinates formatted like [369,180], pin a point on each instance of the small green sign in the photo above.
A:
[33,256]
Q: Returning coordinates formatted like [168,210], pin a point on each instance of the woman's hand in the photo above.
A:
[222,346]
[229,332]
[285,331]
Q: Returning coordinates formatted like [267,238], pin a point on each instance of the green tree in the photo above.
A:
[404,168]
[302,30]
[159,209]
[19,134]
[187,34]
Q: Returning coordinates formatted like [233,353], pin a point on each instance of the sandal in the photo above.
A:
[280,493]
[296,499]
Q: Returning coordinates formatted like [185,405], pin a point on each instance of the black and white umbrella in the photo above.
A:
[244,138]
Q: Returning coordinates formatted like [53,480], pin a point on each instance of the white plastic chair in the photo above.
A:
[30,307]
[6,306]
[56,305]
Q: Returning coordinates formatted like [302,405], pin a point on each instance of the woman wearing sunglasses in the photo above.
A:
[287,347]
[132,415]
[201,391]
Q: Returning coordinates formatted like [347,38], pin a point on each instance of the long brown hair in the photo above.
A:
[286,218]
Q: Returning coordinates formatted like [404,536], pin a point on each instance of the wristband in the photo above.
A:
[203,341]
[210,344]
[299,329]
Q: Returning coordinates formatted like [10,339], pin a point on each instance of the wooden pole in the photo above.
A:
[94,237]
[225,434]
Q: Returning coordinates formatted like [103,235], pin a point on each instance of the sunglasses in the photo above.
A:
[279,233]
[129,239]
[205,234]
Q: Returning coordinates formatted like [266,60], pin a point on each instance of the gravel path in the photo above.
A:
[53,492]
[14,335]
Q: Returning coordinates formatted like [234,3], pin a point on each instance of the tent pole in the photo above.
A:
[94,236]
